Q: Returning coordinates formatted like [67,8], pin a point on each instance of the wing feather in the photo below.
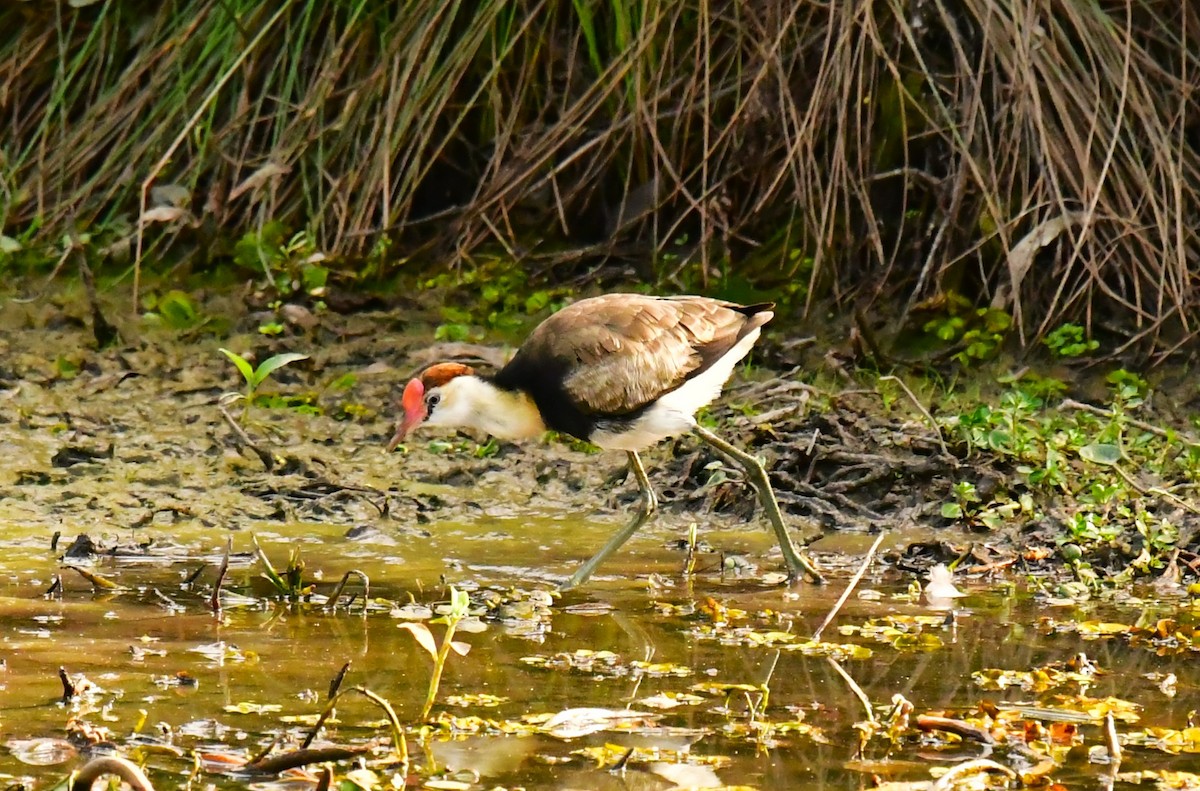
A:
[619,352]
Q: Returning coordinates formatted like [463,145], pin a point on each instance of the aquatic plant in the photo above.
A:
[254,377]
[460,604]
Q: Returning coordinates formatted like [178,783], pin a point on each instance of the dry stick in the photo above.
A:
[858,575]
[337,592]
[183,134]
[67,685]
[1070,403]
[334,686]
[336,683]
[953,778]
[854,687]
[303,757]
[267,461]
[1111,741]
[401,745]
[214,601]
[921,407]
[966,730]
[1155,490]
[123,768]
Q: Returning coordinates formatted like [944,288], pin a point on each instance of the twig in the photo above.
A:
[854,687]
[214,601]
[961,728]
[858,575]
[401,745]
[689,563]
[267,461]
[1070,403]
[953,777]
[123,768]
[1111,741]
[67,685]
[303,757]
[337,592]
[1129,479]
[921,408]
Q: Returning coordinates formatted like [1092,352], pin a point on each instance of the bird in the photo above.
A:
[621,371]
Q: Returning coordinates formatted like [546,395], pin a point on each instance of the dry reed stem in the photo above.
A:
[857,148]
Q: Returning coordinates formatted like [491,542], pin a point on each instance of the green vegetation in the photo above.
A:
[1069,340]
[254,377]
[458,609]
[174,309]
[490,297]
[290,584]
[1101,475]
[976,334]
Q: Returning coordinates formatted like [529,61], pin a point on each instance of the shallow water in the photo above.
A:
[285,655]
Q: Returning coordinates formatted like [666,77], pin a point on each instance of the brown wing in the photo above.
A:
[622,351]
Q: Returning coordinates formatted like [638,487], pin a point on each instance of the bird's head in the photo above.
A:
[439,396]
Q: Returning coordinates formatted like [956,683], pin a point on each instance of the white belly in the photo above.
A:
[674,413]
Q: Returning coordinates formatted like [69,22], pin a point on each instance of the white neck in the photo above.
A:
[505,414]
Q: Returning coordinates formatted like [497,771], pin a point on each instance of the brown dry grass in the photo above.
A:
[1037,155]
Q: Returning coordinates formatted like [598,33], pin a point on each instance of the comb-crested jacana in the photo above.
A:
[622,371]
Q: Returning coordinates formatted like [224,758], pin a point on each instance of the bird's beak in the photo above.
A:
[413,403]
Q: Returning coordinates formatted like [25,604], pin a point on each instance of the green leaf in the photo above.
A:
[65,368]
[537,301]
[1101,453]
[344,382]
[424,637]
[269,571]
[314,277]
[241,363]
[952,510]
[273,364]
[177,309]
[460,603]
[452,332]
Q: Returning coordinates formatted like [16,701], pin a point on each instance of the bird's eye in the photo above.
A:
[433,400]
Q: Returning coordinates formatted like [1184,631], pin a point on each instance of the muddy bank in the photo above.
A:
[131,440]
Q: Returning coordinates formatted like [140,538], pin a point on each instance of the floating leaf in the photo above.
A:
[476,699]
[98,582]
[669,700]
[250,707]
[661,669]
[573,723]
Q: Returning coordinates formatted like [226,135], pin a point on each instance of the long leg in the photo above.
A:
[796,561]
[647,505]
